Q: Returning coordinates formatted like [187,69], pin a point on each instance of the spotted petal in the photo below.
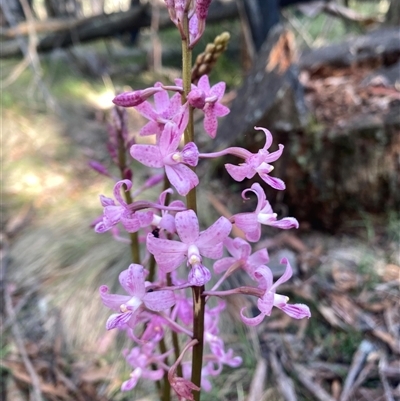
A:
[159,300]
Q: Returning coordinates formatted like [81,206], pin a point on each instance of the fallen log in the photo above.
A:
[69,32]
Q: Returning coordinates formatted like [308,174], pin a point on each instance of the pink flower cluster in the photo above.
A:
[172,235]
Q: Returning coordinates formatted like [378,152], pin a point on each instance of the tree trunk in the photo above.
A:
[345,161]
[393,14]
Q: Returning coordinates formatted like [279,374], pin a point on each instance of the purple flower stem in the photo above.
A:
[176,326]
[258,292]
[235,151]
[231,269]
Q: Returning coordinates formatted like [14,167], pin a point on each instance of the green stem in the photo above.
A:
[198,300]
[166,395]
[128,198]
[199,303]
[175,340]
[187,82]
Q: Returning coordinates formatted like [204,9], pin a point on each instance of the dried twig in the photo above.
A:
[359,358]
[386,387]
[36,394]
[258,382]
[305,376]
[284,382]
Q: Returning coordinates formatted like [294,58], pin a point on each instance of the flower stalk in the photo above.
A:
[167,293]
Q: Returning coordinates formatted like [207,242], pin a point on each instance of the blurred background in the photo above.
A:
[323,76]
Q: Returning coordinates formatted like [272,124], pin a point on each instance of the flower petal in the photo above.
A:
[168,254]
[169,139]
[112,301]
[131,383]
[285,276]
[151,128]
[146,109]
[296,311]
[126,185]
[264,277]
[218,90]
[274,155]
[161,99]
[266,303]
[132,280]
[220,110]
[285,223]
[149,155]
[204,84]
[210,122]
[268,137]
[159,300]
[258,258]
[251,321]
[118,320]
[210,242]
[199,275]
[153,375]
[187,226]
[182,178]
[249,224]
[239,173]
[274,182]
[223,264]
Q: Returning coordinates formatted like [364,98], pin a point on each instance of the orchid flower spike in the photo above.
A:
[270,298]
[128,307]
[250,223]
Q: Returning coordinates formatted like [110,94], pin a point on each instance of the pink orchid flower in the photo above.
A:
[253,162]
[113,213]
[130,306]
[250,223]
[170,254]
[166,154]
[258,163]
[143,359]
[270,299]
[241,252]
[208,99]
[165,109]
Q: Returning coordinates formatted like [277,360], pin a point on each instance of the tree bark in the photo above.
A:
[393,14]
